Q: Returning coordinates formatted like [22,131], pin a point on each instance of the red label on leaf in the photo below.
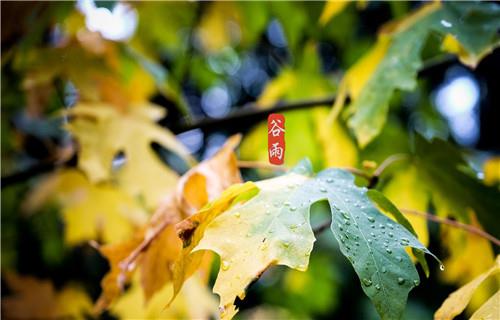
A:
[276,138]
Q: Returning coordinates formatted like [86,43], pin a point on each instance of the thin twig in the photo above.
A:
[389,161]
[383,166]
[453,223]
[357,172]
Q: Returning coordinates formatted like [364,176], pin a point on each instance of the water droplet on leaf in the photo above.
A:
[225,265]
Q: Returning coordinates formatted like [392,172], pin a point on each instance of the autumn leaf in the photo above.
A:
[156,246]
[489,310]
[194,302]
[491,170]
[103,133]
[467,256]
[458,300]
[331,9]
[394,61]
[270,220]
[89,211]
[32,298]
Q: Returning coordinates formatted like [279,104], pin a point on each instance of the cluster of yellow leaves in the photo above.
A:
[90,211]
[458,300]
[324,144]
[32,298]
[156,247]
[102,133]
[195,301]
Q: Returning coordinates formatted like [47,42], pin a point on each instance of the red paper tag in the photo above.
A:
[276,138]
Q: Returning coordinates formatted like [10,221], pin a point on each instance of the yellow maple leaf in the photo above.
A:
[103,133]
[89,211]
[490,310]
[468,256]
[458,300]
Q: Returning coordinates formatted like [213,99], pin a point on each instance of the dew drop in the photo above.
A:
[286,244]
[446,24]
[384,270]
[401,281]
[286,203]
[293,226]
[225,265]
[381,226]
[371,219]
[416,282]
[369,241]
[322,189]
[441,267]
[347,222]
[377,286]
[372,234]
[340,227]
[400,259]
[237,214]
[367,282]
[293,208]
[329,180]
[389,251]
[373,226]
[357,244]
[391,234]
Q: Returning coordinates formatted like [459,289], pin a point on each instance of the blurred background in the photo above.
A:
[213,68]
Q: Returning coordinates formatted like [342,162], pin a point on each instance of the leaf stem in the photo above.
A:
[459,225]
[383,166]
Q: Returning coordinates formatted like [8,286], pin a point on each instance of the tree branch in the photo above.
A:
[248,114]
[466,227]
